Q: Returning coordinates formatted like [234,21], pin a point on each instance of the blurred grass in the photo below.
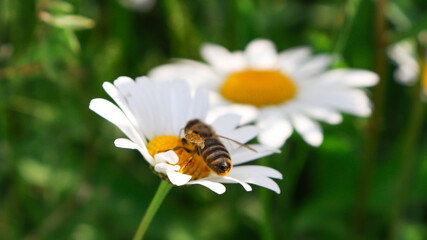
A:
[62,178]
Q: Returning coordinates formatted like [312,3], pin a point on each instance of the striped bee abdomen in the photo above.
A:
[216,156]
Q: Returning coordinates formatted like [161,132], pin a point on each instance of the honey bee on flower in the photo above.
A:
[152,115]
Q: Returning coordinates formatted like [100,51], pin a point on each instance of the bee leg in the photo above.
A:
[193,152]
[180,147]
[191,157]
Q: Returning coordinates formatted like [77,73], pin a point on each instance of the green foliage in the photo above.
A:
[62,178]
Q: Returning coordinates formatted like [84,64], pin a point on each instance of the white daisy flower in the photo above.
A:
[280,91]
[153,115]
[403,54]
[408,71]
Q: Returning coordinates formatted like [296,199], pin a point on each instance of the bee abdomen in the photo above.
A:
[216,156]
[213,147]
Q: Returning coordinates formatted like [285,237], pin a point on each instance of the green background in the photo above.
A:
[62,178]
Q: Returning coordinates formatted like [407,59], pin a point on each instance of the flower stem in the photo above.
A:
[350,14]
[266,228]
[376,121]
[294,168]
[157,200]
[408,158]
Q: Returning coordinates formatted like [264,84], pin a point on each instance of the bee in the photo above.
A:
[208,145]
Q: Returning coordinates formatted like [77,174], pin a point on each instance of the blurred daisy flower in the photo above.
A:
[403,55]
[153,115]
[279,91]
[408,71]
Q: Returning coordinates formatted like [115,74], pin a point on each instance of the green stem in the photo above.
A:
[266,227]
[294,169]
[376,121]
[350,13]
[157,200]
[407,157]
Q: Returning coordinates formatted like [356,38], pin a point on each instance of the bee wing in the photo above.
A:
[231,141]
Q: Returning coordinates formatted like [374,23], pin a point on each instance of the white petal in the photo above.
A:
[406,74]
[168,156]
[256,170]
[120,100]
[261,54]
[292,58]
[352,101]
[128,144]
[316,110]
[113,114]
[223,60]
[259,180]
[165,109]
[200,105]
[242,134]
[225,123]
[315,65]
[327,115]
[214,186]
[248,113]
[243,155]
[350,77]
[403,54]
[227,179]
[180,100]
[274,134]
[310,130]
[178,179]
[124,81]
[139,96]
[214,54]
[165,167]
[195,73]
[125,143]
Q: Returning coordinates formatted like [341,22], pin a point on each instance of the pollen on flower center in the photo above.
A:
[190,162]
[258,87]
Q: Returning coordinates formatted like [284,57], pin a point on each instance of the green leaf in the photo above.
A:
[72,22]
[72,40]
[59,7]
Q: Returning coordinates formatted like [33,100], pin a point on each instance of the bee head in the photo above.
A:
[196,131]
[193,136]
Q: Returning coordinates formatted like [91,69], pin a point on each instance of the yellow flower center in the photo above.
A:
[258,87]
[190,162]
